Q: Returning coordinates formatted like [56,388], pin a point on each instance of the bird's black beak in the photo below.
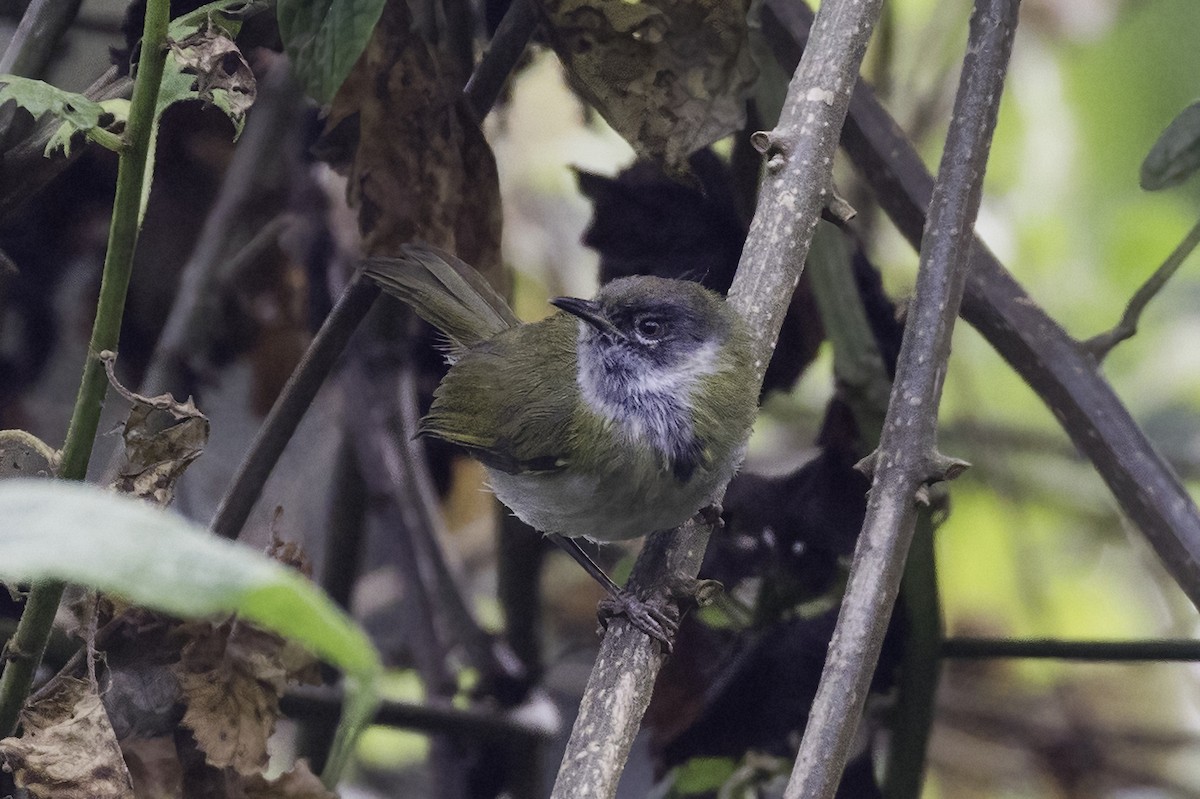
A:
[587,310]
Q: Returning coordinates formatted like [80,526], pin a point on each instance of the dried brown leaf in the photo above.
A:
[67,749]
[162,438]
[420,167]
[232,676]
[299,783]
[671,76]
[232,700]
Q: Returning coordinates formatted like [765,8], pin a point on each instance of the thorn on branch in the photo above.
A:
[941,468]
[867,465]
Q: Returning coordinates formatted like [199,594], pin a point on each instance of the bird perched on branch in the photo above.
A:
[614,418]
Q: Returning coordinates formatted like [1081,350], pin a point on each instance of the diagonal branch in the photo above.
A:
[795,188]
[907,457]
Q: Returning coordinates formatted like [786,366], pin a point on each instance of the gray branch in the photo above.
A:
[907,457]
[796,187]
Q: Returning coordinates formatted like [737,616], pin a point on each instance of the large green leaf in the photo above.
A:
[323,39]
[81,534]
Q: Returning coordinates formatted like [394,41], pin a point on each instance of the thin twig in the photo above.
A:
[29,642]
[503,53]
[295,398]
[907,457]
[326,703]
[795,189]
[1035,346]
[1183,650]
[1101,344]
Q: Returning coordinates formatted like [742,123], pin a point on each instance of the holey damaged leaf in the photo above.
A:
[67,749]
[671,76]
[223,78]
[162,438]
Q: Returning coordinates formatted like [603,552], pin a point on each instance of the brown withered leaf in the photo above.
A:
[671,76]
[67,749]
[223,77]
[232,675]
[298,783]
[25,455]
[419,167]
[162,438]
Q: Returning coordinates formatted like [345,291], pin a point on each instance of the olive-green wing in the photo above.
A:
[510,400]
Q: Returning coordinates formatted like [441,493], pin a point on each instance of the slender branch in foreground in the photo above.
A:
[349,311]
[28,644]
[1185,650]
[1053,364]
[1100,345]
[907,457]
[287,412]
[795,188]
[37,35]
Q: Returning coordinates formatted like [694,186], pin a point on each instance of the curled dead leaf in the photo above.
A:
[67,749]
[162,438]
[671,76]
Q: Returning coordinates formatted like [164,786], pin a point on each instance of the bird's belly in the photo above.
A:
[603,507]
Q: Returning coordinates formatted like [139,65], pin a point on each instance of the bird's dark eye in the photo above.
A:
[651,327]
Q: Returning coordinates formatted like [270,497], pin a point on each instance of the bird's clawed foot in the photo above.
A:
[658,615]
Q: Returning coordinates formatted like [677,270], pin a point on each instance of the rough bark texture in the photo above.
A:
[907,457]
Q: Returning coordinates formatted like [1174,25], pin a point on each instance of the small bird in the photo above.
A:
[609,420]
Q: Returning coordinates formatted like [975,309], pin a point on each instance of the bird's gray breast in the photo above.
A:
[647,402]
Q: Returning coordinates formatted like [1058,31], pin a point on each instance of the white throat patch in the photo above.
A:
[648,404]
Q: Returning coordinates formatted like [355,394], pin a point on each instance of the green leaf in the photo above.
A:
[1176,154]
[323,39]
[70,532]
[702,775]
[78,113]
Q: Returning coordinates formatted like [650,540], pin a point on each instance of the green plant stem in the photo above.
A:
[29,642]
[1100,345]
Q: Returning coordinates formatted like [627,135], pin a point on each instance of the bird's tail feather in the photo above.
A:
[444,291]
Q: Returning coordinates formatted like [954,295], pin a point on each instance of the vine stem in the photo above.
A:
[795,189]
[25,649]
[1102,344]
[907,457]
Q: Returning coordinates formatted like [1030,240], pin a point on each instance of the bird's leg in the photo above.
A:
[655,616]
